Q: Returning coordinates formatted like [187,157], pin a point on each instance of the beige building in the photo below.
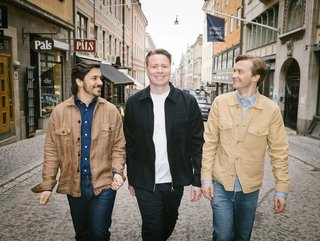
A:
[293,54]
[139,24]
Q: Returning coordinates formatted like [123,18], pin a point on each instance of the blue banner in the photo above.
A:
[215,29]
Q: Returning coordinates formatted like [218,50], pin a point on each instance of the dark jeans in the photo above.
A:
[91,215]
[159,211]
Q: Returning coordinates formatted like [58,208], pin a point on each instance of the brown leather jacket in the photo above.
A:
[62,148]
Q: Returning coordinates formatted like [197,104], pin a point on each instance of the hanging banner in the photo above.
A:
[215,29]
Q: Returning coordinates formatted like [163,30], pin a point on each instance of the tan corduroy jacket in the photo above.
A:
[62,148]
[235,144]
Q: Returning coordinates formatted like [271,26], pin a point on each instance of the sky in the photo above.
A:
[161,15]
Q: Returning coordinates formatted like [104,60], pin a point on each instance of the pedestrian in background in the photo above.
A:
[85,142]
[242,125]
[164,137]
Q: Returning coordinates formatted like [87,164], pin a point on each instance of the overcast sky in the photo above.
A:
[165,34]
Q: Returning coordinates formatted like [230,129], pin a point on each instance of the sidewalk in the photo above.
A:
[23,156]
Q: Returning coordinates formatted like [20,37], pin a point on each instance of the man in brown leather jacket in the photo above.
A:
[85,142]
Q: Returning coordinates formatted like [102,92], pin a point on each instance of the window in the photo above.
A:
[295,14]
[224,61]
[51,81]
[239,16]
[230,59]
[231,23]
[82,26]
[110,44]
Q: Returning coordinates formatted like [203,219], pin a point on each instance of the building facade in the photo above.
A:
[293,56]
[35,64]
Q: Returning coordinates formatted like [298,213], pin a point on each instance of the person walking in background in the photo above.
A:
[164,137]
[85,141]
[241,126]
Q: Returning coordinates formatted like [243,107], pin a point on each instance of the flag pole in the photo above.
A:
[241,19]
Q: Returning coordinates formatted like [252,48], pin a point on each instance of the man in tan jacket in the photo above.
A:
[241,126]
[85,141]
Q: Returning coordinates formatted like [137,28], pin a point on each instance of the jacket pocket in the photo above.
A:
[226,131]
[64,144]
[106,132]
[257,137]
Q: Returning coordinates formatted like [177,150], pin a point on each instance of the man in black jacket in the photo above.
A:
[164,137]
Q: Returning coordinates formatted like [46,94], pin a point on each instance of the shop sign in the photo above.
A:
[84,45]
[42,44]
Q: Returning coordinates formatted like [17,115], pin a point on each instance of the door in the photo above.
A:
[5,93]
[292,95]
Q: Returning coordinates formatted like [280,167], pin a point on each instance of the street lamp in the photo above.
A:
[176,21]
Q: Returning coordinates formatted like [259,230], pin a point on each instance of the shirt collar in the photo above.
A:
[78,101]
[248,101]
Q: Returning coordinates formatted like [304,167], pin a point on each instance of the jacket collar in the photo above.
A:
[259,103]
[70,101]
[172,94]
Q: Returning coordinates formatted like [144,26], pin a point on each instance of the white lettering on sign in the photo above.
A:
[42,44]
[84,45]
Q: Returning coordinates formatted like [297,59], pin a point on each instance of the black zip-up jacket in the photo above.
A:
[184,130]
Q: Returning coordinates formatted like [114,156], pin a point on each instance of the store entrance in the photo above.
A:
[5,111]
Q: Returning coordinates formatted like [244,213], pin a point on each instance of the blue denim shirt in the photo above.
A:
[86,124]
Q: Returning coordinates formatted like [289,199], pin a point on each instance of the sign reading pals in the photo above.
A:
[84,45]
[42,44]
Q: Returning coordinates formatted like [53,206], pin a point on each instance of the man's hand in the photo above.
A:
[207,190]
[132,191]
[279,204]
[117,182]
[195,194]
[44,197]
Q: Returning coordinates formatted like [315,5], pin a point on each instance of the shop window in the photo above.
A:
[51,82]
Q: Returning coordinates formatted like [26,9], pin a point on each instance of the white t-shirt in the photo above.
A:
[162,168]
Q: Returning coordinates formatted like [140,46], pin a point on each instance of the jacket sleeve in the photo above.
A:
[50,162]
[128,132]
[118,149]
[196,142]
[278,151]
[211,138]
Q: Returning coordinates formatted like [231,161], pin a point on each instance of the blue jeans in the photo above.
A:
[159,210]
[91,215]
[233,214]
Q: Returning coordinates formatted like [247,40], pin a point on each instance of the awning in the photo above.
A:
[87,60]
[114,75]
[137,83]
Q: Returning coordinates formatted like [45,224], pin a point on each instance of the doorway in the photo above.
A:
[5,111]
[292,95]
